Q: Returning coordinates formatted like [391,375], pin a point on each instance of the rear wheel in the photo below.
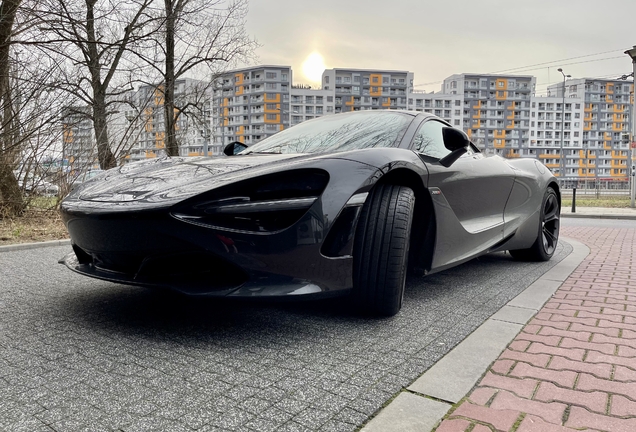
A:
[544,246]
[381,250]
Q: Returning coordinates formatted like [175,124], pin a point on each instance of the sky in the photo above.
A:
[435,39]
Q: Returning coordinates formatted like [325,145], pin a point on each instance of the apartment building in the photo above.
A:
[445,105]
[145,113]
[363,89]
[79,148]
[307,103]
[250,104]
[606,125]
[496,110]
[551,119]
[590,119]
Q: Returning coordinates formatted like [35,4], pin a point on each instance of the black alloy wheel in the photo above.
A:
[550,222]
[548,236]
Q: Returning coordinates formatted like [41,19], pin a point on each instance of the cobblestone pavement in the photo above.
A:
[79,354]
[573,367]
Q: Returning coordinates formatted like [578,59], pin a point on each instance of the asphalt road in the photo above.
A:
[80,354]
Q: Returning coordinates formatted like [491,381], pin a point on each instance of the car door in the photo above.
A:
[469,197]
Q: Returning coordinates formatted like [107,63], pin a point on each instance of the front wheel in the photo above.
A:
[544,246]
[381,249]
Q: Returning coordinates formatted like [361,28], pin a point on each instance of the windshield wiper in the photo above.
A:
[261,152]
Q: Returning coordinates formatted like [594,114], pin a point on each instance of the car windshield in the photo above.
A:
[337,133]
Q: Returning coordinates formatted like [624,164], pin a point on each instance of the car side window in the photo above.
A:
[429,140]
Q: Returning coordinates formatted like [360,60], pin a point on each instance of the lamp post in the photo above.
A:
[632,53]
[561,158]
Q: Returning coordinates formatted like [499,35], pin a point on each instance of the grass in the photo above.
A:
[40,222]
[619,201]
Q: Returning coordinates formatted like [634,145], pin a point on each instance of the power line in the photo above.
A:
[603,77]
[524,68]
[558,61]
[573,63]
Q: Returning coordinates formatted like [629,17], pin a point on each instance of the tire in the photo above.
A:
[381,250]
[548,236]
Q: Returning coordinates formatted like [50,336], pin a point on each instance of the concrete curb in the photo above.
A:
[598,216]
[24,246]
[426,401]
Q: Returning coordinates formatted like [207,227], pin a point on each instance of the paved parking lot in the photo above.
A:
[80,354]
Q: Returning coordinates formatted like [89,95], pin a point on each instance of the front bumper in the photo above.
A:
[158,248]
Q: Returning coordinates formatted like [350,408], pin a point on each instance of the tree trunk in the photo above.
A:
[172,149]
[104,153]
[100,125]
[11,201]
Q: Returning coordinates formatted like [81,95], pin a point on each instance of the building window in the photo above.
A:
[270,75]
[271,116]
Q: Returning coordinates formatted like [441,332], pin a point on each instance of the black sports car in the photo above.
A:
[346,203]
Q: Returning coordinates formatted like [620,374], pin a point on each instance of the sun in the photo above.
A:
[313,67]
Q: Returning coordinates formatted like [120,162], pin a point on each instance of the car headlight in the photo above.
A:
[264,204]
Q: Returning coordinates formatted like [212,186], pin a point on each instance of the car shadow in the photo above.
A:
[136,310]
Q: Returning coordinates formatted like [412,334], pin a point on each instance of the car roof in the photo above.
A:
[403,111]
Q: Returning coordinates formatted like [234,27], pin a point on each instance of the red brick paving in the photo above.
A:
[573,366]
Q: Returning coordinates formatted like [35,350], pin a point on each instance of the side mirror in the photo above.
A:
[457,142]
[235,147]
[454,139]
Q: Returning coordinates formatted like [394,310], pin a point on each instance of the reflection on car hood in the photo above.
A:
[172,179]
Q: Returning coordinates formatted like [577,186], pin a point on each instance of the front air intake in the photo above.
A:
[264,204]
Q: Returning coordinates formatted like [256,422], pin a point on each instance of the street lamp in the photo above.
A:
[632,54]
[561,158]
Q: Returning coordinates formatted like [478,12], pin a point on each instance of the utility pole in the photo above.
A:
[632,170]
[561,156]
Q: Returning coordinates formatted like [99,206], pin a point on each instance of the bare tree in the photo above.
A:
[196,39]
[11,198]
[94,38]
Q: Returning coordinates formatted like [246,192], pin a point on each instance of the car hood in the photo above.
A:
[168,180]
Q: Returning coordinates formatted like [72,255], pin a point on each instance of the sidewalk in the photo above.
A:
[571,367]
